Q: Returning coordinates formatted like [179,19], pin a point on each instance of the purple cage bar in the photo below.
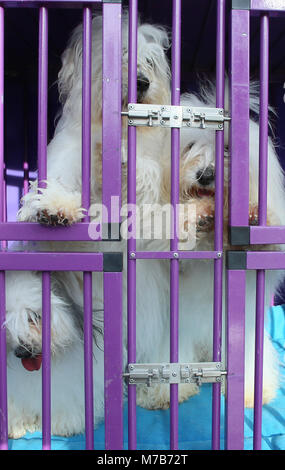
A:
[86,108]
[175,195]
[219,209]
[131,266]
[88,360]
[238,215]
[262,218]
[42,95]
[235,299]
[111,108]
[46,360]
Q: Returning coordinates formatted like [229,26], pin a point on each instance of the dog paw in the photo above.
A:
[205,223]
[17,433]
[61,218]
[51,206]
[205,215]
[158,396]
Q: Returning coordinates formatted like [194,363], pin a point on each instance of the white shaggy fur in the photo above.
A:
[197,153]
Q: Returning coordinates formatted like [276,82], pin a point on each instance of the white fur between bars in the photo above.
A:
[153,185]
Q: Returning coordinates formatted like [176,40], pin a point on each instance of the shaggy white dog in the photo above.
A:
[60,203]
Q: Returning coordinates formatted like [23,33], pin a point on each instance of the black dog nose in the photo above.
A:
[142,83]
[206,176]
[22,352]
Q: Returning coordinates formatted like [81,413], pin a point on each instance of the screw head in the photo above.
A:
[175,255]
[132,255]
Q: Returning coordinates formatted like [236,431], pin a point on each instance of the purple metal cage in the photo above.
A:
[92,262]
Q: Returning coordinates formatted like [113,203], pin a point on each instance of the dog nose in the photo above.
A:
[22,352]
[142,83]
[206,176]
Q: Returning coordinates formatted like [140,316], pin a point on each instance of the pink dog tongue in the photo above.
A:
[32,363]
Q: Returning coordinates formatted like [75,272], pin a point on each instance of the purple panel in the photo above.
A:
[86,108]
[131,267]
[219,209]
[20,261]
[239,169]
[113,362]
[174,263]
[258,375]
[263,119]
[111,106]
[33,231]
[88,361]
[236,288]
[46,361]
[3,363]
[265,260]
[42,95]
[267,235]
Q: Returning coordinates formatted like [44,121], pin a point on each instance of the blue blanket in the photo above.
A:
[194,417]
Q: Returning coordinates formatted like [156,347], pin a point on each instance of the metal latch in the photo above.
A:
[175,373]
[154,115]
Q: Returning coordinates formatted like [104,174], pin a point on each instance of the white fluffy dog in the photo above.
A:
[60,203]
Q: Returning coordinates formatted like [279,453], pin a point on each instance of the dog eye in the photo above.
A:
[149,62]
[189,146]
[33,317]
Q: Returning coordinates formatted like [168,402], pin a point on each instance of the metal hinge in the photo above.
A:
[175,373]
[154,115]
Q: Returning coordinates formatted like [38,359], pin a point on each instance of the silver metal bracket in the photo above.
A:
[155,115]
[175,373]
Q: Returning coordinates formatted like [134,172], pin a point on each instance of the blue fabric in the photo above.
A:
[194,417]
